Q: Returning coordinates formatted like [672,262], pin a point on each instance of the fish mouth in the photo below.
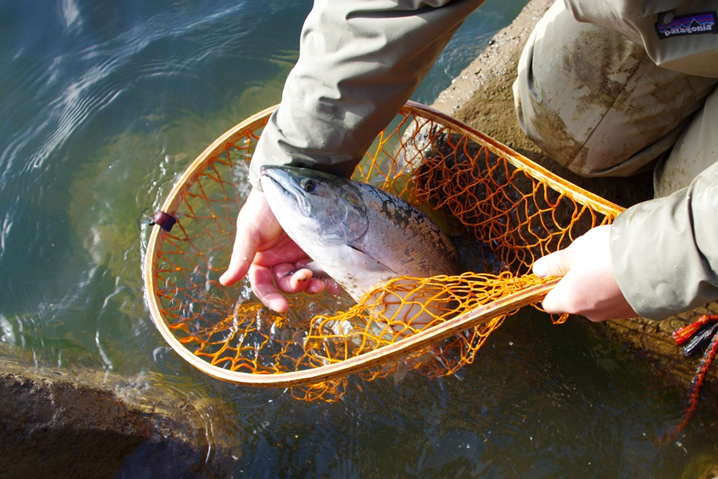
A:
[286,182]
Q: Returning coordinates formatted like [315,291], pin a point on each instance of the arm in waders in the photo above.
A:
[665,251]
[359,62]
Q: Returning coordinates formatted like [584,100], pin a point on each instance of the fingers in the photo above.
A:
[555,264]
[251,221]
[599,302]
[592,247]
[303,279]
[558,300]
[332,287]
[241,260]
[262,281]
[269,284]
[588,286]
[268,257]
[292,280]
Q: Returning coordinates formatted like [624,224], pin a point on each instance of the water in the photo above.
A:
[104,104]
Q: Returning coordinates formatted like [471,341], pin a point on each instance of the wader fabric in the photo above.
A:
[595,102]
[359,61]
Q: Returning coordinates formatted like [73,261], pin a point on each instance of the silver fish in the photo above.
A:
[360,235]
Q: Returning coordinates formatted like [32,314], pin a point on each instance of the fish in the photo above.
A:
[359,235]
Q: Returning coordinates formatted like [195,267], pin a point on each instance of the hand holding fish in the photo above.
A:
[588,287]
[264,252]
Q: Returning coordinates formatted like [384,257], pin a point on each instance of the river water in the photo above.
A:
[103,105]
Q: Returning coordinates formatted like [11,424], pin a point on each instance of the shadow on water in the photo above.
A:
[102,106]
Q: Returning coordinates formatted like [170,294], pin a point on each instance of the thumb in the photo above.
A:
[555,264]
[241,259]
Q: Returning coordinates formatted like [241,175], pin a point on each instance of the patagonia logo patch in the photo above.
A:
[694,24]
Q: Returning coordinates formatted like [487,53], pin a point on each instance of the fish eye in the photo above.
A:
[307,185]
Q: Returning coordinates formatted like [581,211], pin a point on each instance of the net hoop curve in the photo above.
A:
[384,354]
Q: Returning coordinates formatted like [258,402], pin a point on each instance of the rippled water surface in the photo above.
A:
[103,105]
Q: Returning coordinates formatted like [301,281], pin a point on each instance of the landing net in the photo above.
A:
[507,210]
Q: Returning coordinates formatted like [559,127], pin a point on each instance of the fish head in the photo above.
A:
[313,206]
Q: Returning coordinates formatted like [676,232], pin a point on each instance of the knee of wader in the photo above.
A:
[594,151]
[595,102]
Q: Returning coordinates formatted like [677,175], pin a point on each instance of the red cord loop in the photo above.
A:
[695,336]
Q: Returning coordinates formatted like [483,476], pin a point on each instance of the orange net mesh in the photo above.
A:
[508,210]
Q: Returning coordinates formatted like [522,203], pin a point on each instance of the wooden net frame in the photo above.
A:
[511,209]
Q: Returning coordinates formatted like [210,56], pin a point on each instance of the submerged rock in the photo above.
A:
[55,426]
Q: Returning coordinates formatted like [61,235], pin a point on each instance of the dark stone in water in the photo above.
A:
[53,426]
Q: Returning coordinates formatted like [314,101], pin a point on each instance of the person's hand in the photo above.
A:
[588,287]
[264,252]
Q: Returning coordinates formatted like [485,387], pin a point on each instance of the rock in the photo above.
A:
[52,427]
[56,426]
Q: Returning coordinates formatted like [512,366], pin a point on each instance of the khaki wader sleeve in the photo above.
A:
[665,251]
[359,61]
